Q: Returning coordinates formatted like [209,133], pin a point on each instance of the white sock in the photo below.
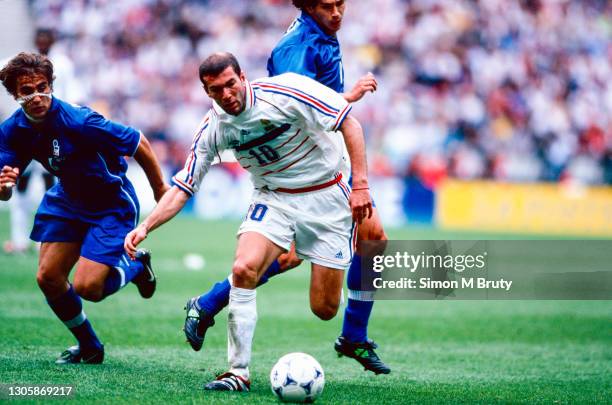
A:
[241,320]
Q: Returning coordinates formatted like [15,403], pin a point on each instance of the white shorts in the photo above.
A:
[320,222]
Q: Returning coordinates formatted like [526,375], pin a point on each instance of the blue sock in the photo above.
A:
[69,309]
[272,271]
[358,310]
[121,274]
[217,297]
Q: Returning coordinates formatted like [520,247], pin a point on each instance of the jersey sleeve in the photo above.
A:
[318,105]
[293,59]
[205,147]
[111,136]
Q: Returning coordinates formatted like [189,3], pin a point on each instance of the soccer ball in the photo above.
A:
[297,377]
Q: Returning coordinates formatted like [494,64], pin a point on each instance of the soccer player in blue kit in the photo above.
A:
[84,218]
[310,48]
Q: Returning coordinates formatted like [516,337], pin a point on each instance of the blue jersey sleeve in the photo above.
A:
[113,137]
[298,59]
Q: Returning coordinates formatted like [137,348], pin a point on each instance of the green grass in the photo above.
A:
[440,351]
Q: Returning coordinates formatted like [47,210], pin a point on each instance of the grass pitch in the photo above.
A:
[439,351]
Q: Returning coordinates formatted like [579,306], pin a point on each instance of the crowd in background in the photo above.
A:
[505,90]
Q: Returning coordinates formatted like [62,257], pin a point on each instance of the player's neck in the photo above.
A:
[35,122]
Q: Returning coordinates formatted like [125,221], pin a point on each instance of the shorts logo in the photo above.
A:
[339,255]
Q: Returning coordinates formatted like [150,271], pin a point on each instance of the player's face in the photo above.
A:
[43,43]
[228,89]
[29,84]
[328,14]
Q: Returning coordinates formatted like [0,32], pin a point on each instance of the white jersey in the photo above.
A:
[285,137]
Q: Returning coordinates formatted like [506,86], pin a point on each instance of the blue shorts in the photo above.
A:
[101,234]
[350,183]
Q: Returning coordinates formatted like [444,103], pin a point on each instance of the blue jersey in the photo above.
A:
[307,50]
[83,149]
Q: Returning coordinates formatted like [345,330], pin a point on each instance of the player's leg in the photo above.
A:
[354,340]
[105,268]
[95,281]
[139,271]
[217,298]
[254,254]
[325,290]
[202,310]
[325,236]
[55,262]
[205,307]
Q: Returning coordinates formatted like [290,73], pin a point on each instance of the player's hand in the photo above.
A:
[133,238]
[8,177]
[363,85]
[159,192]
[361,205]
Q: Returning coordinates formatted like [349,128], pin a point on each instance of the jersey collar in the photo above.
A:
[249,102]
[308,20]
[22,120]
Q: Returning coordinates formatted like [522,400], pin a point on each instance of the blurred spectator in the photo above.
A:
[509,90]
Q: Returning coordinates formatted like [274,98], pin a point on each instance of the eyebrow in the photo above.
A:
[226,84]
[37,85]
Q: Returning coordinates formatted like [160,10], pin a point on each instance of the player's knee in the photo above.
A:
[378,233]
[244,274]
[325,310]
[48,282]
[89,290]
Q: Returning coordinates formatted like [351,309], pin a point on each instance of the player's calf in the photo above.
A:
[289,260]
[371,229]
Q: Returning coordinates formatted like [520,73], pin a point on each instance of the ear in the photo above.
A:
[242,76]
[310,8]
[204,86]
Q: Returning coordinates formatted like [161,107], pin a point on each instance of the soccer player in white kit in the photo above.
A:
[283,131]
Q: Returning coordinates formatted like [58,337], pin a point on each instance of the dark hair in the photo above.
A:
[46,32]
[217,63]
[25,64]
[302,4]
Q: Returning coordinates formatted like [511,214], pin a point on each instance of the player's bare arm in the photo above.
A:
[364,84]
[8,179]
[170,204]
[361,203]
[147,159]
